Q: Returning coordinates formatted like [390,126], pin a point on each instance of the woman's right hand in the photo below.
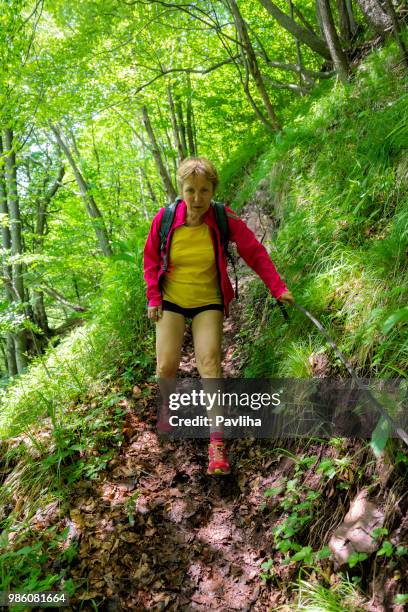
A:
[154,312]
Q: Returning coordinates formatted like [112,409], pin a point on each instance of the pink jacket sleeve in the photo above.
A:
[151,259]
[254,254]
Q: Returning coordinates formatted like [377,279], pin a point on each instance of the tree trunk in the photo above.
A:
[20,338]
[181,154]
[376,16]
[190,120]
[338,56]
[397,30]
[303,19]
[39,312]
[302,34]
[10,355]
[149,185]
[87,197]
[298,49]
[42,205]
[252,63]
[164,175]
[344,22]
[352,21]
[181,126]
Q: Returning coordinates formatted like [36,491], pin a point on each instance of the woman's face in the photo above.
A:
[197,192]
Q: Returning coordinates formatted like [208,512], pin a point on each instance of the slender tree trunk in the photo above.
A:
[20,338]
[181,127]
[176,136]
[397,30]
[320,21]
[303,19]
[164,175]
[149,185]
[339,57]
[10,354]
[87,197]
[376,16]
[304,35]
[352,21]
[190,120]
[252,63]
[344,21]
[257,111]
[298,49]
[39,314]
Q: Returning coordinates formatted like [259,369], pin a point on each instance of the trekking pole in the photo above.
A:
[398,430]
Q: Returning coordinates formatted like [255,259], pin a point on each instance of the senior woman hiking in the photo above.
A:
[186,276]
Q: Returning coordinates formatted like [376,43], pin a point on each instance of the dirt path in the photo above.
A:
[158,533]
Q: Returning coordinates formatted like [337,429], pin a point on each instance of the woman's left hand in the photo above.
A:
[287,298]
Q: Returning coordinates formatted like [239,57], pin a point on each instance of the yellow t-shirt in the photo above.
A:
[192,278]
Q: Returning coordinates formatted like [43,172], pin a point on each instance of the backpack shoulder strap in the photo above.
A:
[221,217]
[167,222]
[222,223]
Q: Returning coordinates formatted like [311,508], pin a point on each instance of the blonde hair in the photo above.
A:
[197,165]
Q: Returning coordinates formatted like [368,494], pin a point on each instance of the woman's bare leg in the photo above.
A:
[207,335]
[169,341]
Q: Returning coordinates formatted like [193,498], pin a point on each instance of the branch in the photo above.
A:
[55,186]
[60,298]
[185,8]
[291,86]
[74,322]
[163,74]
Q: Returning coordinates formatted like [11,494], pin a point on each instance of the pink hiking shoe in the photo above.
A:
[163,425]
[218,464]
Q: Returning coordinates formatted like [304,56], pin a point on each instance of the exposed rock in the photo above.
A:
[355,533]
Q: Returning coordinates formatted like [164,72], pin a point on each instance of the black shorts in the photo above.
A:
[190,312]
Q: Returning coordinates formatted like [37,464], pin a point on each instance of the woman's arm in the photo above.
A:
[256,256]
[151,259]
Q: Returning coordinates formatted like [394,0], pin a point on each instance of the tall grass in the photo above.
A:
[338,193]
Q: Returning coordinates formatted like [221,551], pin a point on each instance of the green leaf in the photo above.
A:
[401,598]
[356,557]
[396,317]
[305,554]
[378,532]
[267,564]
[380,435]
[272,491]
[386,549]
[323,553]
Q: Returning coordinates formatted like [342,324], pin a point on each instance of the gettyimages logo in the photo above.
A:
[201,398]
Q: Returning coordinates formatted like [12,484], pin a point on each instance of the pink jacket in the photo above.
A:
[249,248]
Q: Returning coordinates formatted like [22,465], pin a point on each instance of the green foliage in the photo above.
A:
[337,193]
[356,558]
[25,566]
[299,504]
[90,356]
[342,596]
